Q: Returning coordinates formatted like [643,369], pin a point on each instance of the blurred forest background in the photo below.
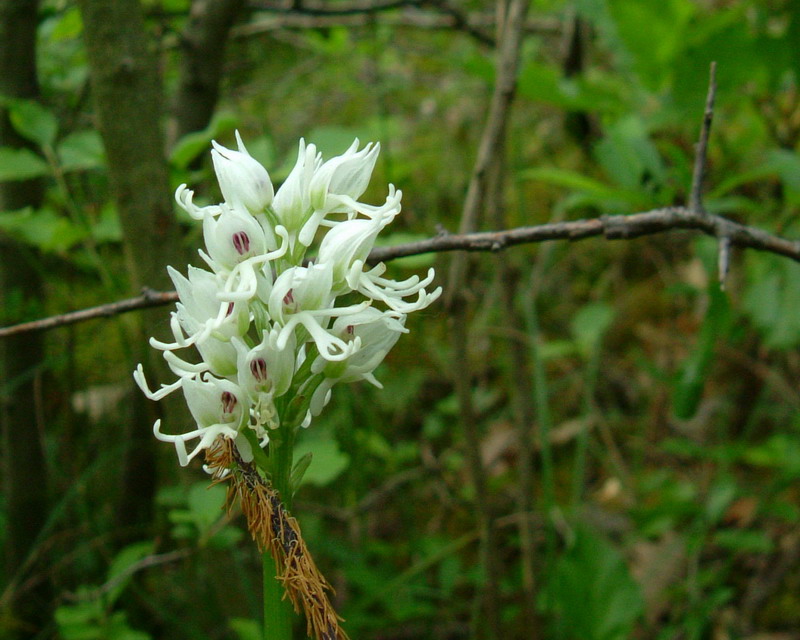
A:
[596,443]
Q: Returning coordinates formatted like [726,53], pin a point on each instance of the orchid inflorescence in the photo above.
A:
[271,338]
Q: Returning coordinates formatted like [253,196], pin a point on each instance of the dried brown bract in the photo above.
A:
[275,530]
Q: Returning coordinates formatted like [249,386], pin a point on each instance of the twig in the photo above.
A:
[145,563]
[612,227]
[149,298]
[477,25]
[698,175]
[486,615]
[324,8]
[493,134]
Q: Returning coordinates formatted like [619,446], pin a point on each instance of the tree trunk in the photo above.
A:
[128,105]
[24,471]
[203,44]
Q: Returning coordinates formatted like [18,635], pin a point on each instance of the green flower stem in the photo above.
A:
[278,613]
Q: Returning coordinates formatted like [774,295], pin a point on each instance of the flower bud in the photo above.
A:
[346,175]
[242,179]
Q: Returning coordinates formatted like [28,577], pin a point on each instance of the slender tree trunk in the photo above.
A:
[203,43]
[128,105]
[24,471]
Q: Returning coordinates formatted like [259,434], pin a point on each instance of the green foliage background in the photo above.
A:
[678,515]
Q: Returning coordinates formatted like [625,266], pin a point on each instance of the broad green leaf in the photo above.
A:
[590,324]
[81,150]
[602,195]
[744,541]
[328,460]
[119,569]
[196,143]
[33,121]
[21,164]
[653,32]
[771,300]
[118,628]
[629,156]
[67,25]
[206,504]
[246,629]
[691,380]
[590,593]
[43,228]
[107,228]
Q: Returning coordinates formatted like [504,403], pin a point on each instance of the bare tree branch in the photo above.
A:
[323,8]
[476,24]
[611,227]
[698,174]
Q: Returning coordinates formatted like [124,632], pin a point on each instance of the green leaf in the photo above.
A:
[206,504]
[246,629]
[42,228]
[328,461]
[21,164]
[119,629]
[107,228]
[654,32]
[193,144]
[590,593]
[689,386]
[590,324]
[80,151]
[33,121]
[744,541]
[629,156]
[300,468]
[122,563]
[605,196]
[772,298]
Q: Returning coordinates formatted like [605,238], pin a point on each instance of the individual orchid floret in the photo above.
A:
[377,332]
[265,373]
[200,313]
[351,241]
[232,237]
[265,369]
[292,203]
[242,179]
[217,407]
[345,175]
[303,296]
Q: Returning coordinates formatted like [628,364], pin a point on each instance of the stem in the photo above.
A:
[278,612]
[541,401]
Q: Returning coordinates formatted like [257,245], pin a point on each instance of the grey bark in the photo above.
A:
[128,106]
[203,43]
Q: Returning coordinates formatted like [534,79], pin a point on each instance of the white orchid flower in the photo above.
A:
[263,324]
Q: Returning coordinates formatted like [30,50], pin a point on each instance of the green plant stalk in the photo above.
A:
[278,612]
[540,393]
[590,384]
